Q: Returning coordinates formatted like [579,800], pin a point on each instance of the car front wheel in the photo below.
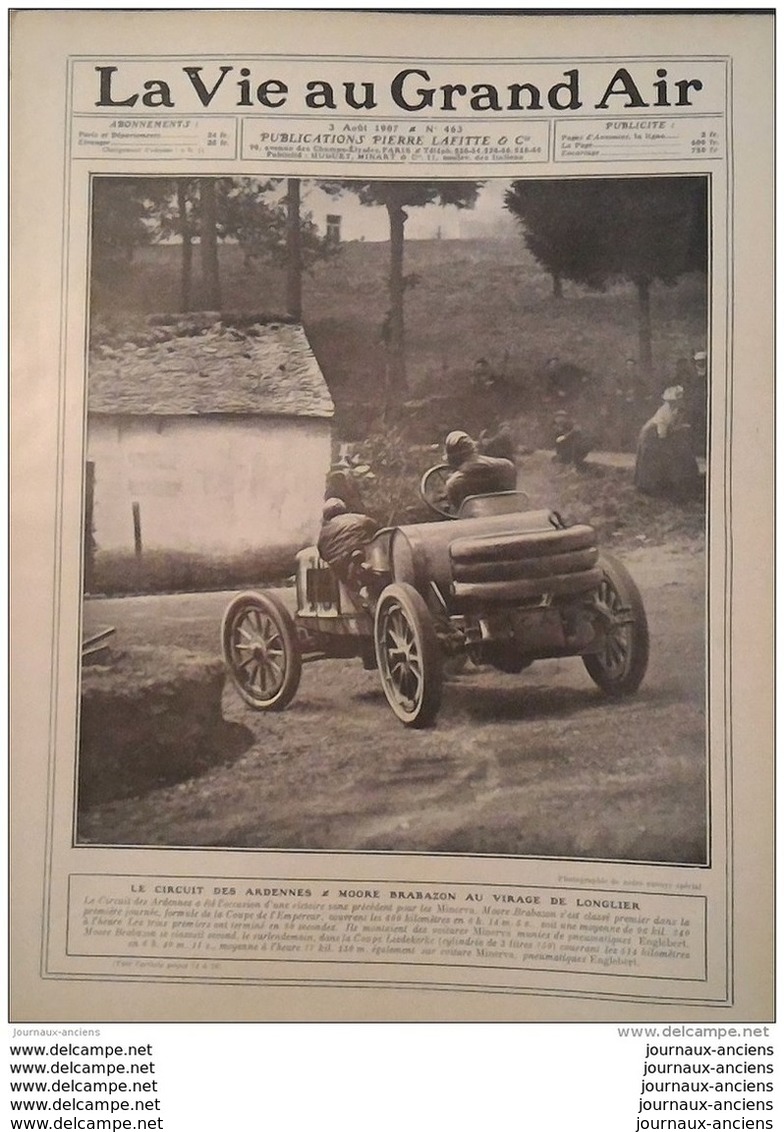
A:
[260,650]
[409,656]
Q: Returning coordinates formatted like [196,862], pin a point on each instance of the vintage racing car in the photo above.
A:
[497,584]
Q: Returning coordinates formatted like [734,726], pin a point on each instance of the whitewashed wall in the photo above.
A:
[208,485]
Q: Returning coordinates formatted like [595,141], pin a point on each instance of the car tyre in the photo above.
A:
[619,669]
[260,650]
[409,656]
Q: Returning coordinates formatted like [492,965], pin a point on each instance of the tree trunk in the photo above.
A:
[557,286]
[293,250]
[209,244]
[396,326]
[644,329]
[186,259]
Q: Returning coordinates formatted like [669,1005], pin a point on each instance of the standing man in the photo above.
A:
[697,402]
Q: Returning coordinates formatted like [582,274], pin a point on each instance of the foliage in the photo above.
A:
[259,224]
[597,230]
[606,498]
[123,218]
[410,194]
[476,298]
[131,212]
[392,495]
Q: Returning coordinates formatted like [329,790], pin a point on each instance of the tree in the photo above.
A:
[271,229]
[268,226]
[597,230]
[122,221]
[243,210]
[208,239]
[293,249]
[186,261]
[396,197]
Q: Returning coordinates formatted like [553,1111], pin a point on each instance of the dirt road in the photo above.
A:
[536,764]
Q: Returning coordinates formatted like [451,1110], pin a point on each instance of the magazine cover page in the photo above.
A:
[391,495]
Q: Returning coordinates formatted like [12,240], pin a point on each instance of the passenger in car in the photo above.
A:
[343,533]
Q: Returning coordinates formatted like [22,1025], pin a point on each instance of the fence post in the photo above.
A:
[137,529]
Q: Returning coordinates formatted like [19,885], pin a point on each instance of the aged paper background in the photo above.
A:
[49,277]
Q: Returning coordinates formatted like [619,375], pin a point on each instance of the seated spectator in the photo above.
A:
[570,442]
[474,474]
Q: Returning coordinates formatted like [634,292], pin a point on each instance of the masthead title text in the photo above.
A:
[412,89]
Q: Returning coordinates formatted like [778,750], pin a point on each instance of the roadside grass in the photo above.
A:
[157,571]
[607,499]
[603,497]
[135,668]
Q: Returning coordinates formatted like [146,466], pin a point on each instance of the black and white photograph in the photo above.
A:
[394,516]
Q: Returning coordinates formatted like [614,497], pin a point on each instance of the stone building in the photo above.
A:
[208,438]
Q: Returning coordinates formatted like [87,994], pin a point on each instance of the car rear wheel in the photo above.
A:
[618,669]
[260,650]
[409,655]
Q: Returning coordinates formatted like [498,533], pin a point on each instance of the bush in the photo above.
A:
[391,496]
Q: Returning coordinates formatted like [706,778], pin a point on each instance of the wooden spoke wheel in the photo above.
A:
[260,650]
[409,655]
[618,669]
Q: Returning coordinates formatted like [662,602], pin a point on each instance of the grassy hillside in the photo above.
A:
[466,300]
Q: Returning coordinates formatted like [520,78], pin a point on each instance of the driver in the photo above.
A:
[343,533]
[474,474]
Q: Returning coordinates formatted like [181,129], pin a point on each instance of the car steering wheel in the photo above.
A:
[432,488]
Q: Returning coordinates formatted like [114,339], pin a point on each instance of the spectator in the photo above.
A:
[493,400]
[665,464]
[570,442]
[342,480]
[500,443]
[697,401]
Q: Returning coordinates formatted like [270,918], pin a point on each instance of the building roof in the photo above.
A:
[210,366]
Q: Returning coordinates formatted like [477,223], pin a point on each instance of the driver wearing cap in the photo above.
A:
[474,474]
